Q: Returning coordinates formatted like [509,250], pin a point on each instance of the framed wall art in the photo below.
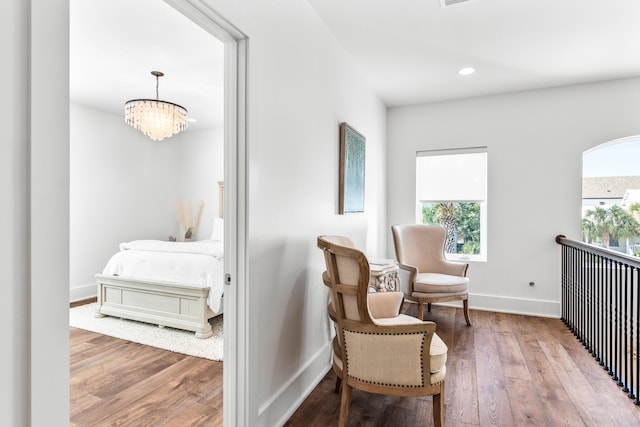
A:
[352,162]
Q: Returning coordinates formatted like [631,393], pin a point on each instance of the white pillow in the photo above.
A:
[218,229]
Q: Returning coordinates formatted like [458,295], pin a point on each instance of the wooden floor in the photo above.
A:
[505,370]
[120,383]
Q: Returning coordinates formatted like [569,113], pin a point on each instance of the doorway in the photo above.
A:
[234,135]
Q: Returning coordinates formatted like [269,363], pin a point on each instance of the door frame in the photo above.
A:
[235,265]
[40,313]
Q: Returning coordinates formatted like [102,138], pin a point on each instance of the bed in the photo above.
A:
[175,284]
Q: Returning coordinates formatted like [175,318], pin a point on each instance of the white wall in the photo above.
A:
[201,160]
[301,86]
[14,246]
[124,186]
[47,330]
[535,142]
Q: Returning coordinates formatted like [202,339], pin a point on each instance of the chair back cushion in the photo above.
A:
[348,267]
[335,240]
[420,245]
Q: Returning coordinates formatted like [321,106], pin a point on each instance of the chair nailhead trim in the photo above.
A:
[346,364]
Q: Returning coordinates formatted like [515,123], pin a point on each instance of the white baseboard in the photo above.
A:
[501,304]
[290,396]
[83,292]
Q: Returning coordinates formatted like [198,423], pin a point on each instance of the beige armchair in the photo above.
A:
[431,277]
[377,349]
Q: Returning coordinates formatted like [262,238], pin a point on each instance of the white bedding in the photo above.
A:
[189,263]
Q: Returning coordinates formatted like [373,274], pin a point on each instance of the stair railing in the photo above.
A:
[600,300]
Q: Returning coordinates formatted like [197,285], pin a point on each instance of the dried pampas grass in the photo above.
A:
[184,216]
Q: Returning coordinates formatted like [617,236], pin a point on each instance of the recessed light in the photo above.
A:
[466,71]
[191,120]
[445,3]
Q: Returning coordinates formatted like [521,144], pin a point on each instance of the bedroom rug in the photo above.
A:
[171,339]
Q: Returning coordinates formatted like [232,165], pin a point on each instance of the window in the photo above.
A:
[451,190]
[611,195]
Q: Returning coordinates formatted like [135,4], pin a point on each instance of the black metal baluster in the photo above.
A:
[564,284]
[585,298]
[586,291]
[597,342]
[625,371]
[631,394]
[580,283]
[600,312]
[616,367]
[610,320]
[562,290]
[592,304]
[574,292]
[605,311]
[572,296]
[637,358]
[581,290]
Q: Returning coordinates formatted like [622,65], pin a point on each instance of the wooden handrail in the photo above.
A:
[607,253]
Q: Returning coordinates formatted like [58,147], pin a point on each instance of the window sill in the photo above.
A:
[466,258]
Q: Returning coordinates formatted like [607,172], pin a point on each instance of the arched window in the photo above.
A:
[611,195]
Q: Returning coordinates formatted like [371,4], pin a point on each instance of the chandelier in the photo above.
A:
[154,118]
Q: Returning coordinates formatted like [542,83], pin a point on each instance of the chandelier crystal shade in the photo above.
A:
[154,118]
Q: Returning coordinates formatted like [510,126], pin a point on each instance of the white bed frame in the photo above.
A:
[161,303]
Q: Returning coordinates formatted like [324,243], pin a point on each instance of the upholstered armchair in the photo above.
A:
[377,349]
[431,277]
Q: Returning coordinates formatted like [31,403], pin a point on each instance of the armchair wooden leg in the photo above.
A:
[420,310]
[345,403]
[465,304]
[438,409]
[429,307]
[338,382]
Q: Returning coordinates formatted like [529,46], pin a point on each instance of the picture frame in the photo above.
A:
[352,167]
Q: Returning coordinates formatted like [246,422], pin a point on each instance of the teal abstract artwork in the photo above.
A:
[352,163]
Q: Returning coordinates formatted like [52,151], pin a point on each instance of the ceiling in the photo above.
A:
[409,51]
[115,44]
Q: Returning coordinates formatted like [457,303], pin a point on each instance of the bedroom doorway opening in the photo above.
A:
[149,170]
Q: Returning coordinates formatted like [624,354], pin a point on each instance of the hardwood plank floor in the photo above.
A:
[505,370]
[121,383]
